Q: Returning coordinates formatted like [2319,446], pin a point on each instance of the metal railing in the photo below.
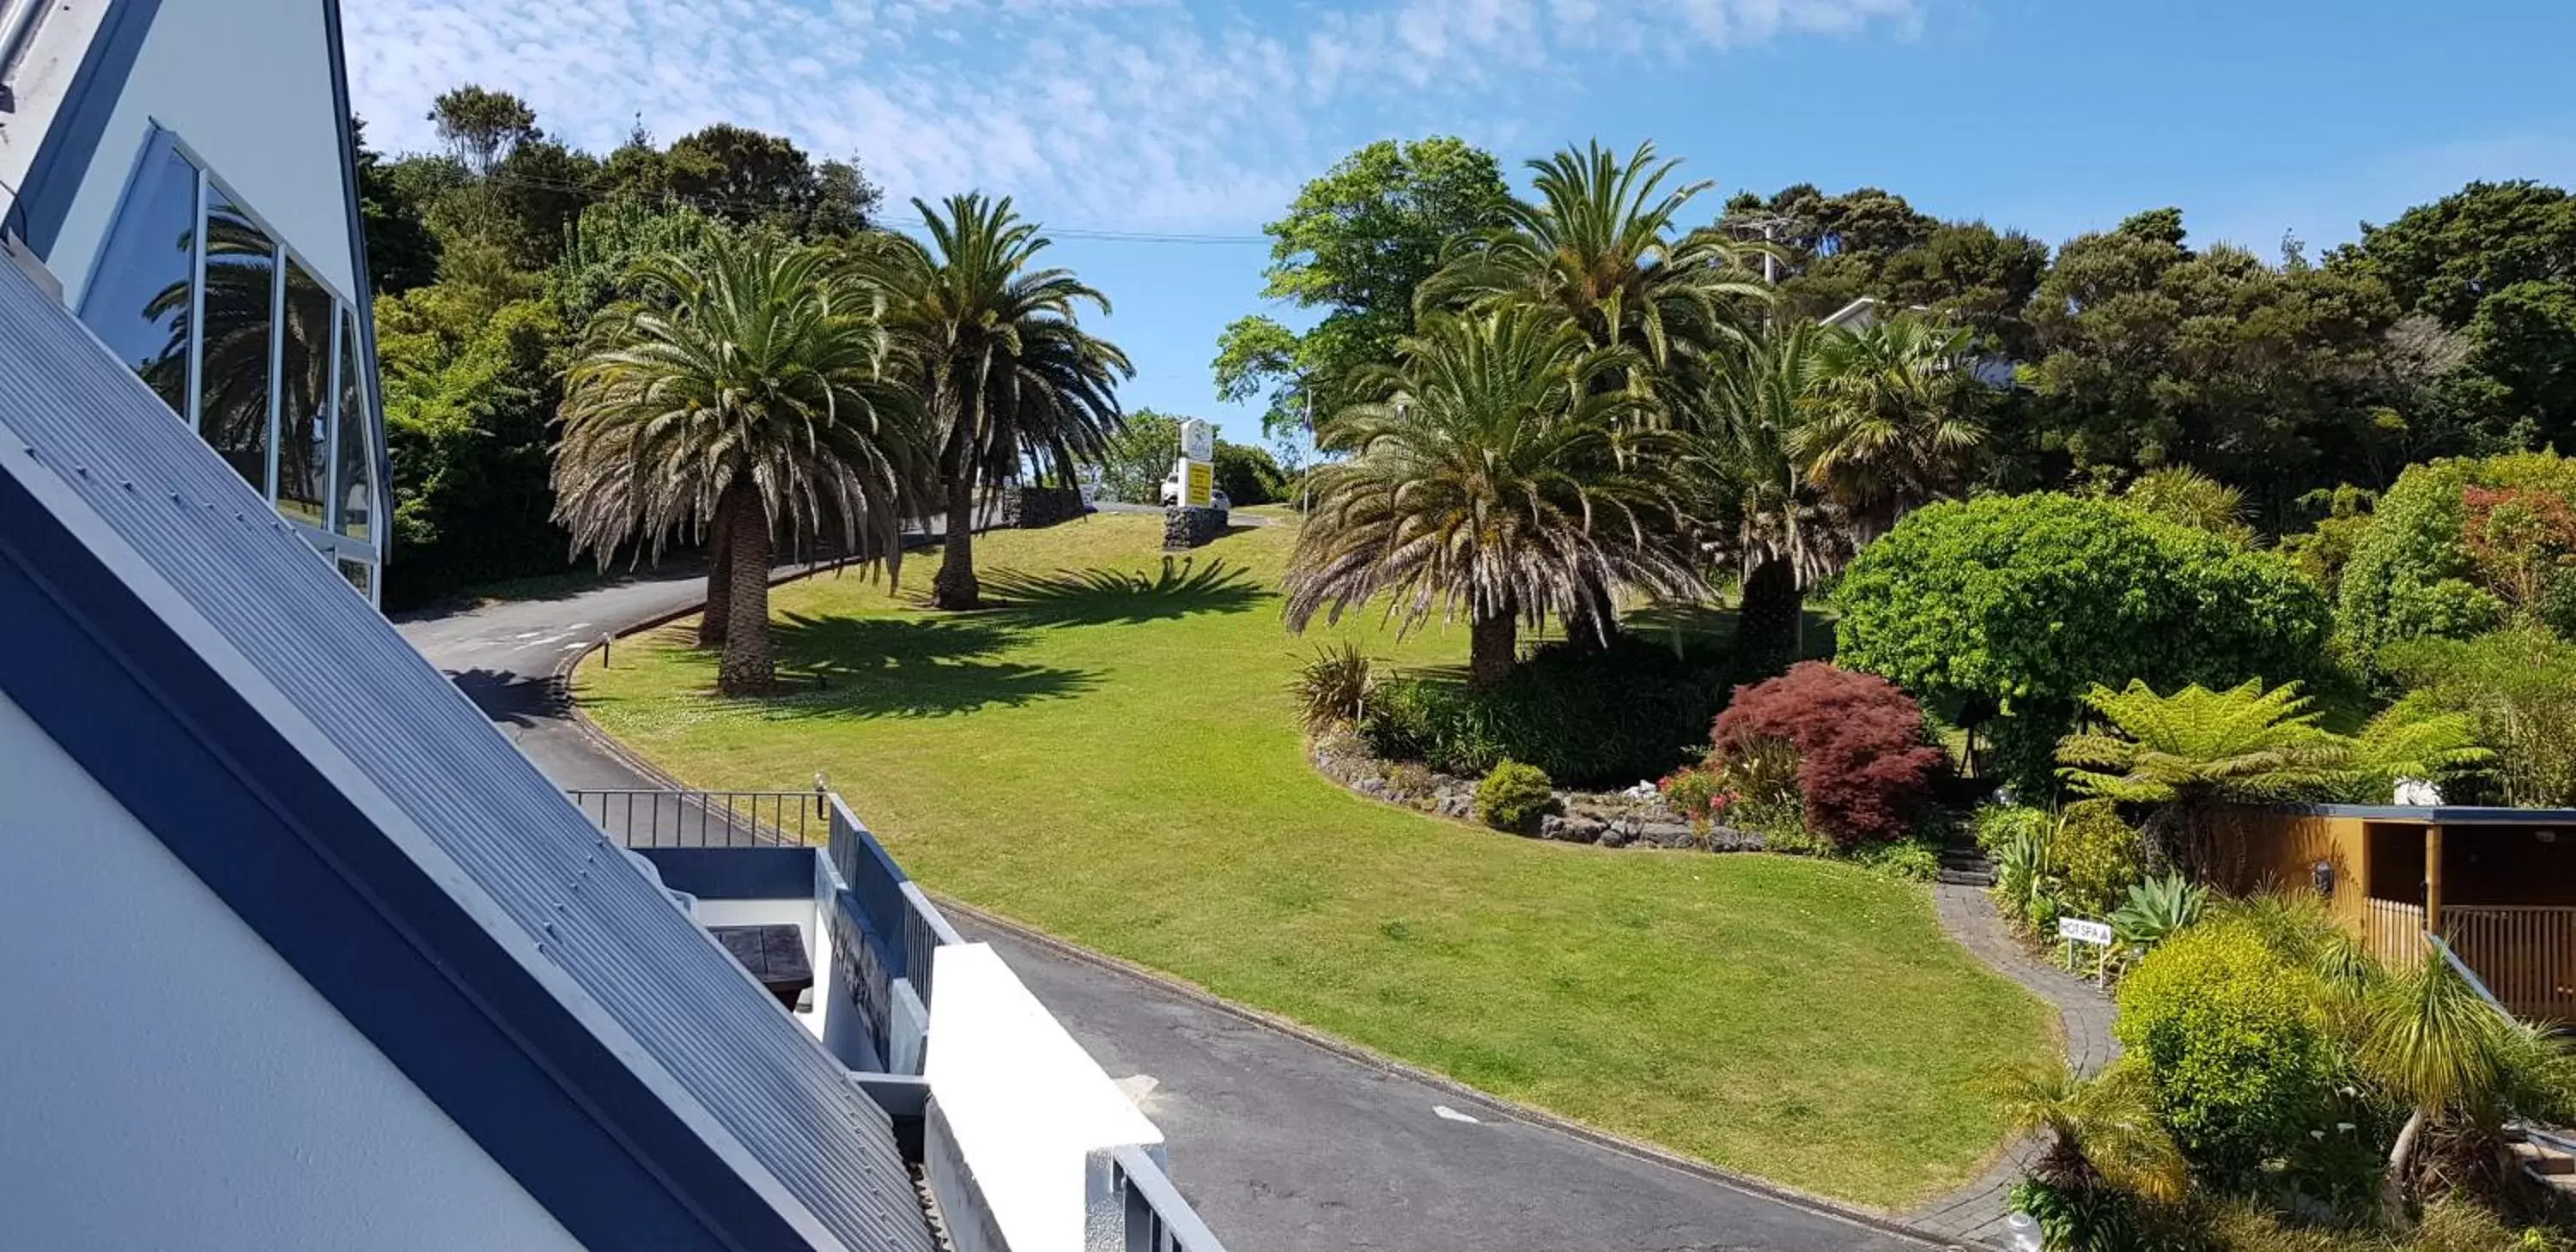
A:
[903,918]
[1157,1218]
[709,819]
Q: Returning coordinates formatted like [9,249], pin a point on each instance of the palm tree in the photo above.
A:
[750,387]
[2102,1132]
[2431,1042]
[1600,247]
[1004,368]
[1781,530]
[1496,478]
[1894,421]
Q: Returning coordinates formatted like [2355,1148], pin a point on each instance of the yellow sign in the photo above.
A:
[1198,484]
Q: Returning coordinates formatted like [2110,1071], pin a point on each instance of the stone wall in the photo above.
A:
[1031,508]
[1191,528]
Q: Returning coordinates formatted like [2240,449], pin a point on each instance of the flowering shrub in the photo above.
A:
[1864,770]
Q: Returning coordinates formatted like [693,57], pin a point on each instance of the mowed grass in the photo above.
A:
[1117,761]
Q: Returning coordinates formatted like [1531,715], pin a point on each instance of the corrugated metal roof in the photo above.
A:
[2444,814]
[148,478]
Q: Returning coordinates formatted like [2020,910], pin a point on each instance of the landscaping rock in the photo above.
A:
[1184,529]
[1029,508]
[1458,804]
[1570,829]
[1616,835]
[1664,835]
[1729,839]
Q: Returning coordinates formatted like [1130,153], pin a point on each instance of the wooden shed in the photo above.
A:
[2499,884]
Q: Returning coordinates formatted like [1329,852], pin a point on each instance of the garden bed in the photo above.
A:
[1609,819]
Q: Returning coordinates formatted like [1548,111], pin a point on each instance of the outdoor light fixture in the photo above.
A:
[2321,875]
[2547,836]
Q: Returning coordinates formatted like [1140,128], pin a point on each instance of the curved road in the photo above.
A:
[1284,1146]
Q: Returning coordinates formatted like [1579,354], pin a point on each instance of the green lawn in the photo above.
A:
[1115,760]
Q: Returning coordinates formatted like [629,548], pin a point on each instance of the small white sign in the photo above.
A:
[2082,931]
[1198,440]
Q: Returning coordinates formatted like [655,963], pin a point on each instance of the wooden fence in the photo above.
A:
[2394,932]
[2525,954]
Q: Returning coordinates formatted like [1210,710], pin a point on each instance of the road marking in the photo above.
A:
[1452,1115]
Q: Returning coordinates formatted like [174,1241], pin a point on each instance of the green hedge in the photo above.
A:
[1596,717]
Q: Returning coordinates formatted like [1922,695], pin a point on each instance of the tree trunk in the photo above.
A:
[712,622]
[1493,644]
[1594,626]
[955,586]
[1766,622]
[748,667]
[2392,1188]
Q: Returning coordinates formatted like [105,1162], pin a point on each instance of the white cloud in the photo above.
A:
[1125,114]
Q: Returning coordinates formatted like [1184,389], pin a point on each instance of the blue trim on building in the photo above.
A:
[737,873]
[380,517]
[2445,815]
[71,143]
[392,950]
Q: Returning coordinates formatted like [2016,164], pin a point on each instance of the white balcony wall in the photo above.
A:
[170,1082]
[1024,1104]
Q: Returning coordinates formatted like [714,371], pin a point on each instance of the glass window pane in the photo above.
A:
[241,270]
[360,576]
[138,300]
[303,423]
[356,450]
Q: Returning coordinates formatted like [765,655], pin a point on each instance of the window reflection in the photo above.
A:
[241,271]
[360,576]
[138,300]
[357,459]
[304,397]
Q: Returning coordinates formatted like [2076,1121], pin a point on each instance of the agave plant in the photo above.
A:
[2156,909]
[2022,872]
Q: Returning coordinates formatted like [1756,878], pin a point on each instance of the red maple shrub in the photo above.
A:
[1864,769]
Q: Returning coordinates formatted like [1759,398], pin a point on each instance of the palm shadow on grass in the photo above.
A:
[1108,597]
[869,667]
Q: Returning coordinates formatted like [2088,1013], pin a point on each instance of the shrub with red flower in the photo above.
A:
[1864,768]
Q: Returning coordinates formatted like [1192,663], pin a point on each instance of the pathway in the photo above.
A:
[1283,1145]
[1975,1213]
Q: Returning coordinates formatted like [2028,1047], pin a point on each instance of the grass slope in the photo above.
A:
[1115,760]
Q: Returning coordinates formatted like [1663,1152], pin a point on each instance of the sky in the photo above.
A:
[1154,138]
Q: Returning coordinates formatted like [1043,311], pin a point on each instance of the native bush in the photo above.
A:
[1603,716]
[1248,474]
[2235,1046]
[2518,690]
[1513,796]
[2000,612]
[2095,855]
[1864,769]
[2459,547]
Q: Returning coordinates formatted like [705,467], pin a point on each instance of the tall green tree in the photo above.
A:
[1494,479]
[1003,364]
[754,393]
[1356,243]
[2272,379]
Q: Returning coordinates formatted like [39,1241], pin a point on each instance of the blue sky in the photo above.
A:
[1199,118]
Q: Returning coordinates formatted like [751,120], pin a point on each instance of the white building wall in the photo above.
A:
[247,85]
[168,1081]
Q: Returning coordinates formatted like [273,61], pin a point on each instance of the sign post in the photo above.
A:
[1197,468]
[2075,930]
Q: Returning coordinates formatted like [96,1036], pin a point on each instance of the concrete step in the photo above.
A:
[1967,878]
[2540,1161]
